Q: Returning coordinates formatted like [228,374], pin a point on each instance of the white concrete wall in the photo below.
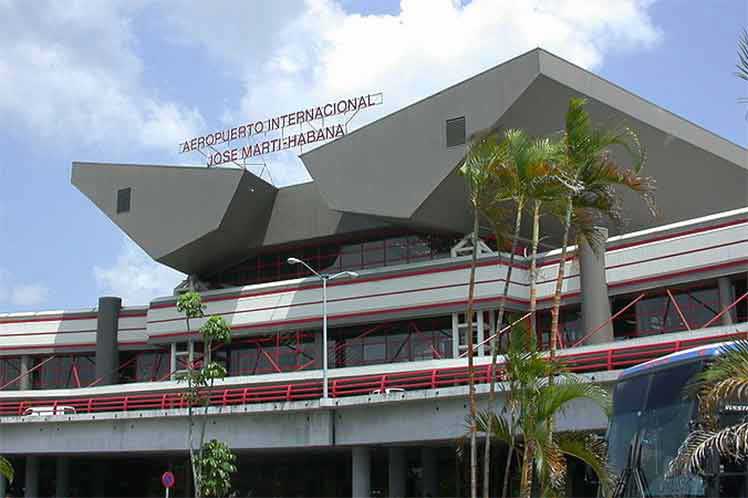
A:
[703,248]
[38,333]
[660,258]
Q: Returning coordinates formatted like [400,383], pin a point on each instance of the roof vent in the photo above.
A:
[123,200]
[456,131]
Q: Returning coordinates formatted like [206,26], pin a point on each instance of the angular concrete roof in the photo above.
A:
[398,171]
[392,166]
[200,220]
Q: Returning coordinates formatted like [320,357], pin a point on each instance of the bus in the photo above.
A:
[652,417]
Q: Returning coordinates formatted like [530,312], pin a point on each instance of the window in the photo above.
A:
[123,200]
[356,254]
[456,131]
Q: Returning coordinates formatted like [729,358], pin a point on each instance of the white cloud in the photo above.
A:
[135,277]
[322,52]
[20,294]
[69,72]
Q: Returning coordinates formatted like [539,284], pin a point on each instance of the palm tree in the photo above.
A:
[475,168]
[521,173]
[725,381]
[545,190]
[531,402]
[592,178]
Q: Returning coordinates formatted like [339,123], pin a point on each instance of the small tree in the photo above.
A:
[521,173]
[531,402]
[594,180]
[216,464]
[6,470]
[212,463]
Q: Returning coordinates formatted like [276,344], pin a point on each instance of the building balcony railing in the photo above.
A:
[373,380]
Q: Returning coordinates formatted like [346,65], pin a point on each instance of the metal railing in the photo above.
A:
[604,359]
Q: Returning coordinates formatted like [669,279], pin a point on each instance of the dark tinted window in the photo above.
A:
[667,385]
[456,131]
[123,200]
[629,394]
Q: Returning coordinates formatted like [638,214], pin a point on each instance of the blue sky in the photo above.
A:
[124,81]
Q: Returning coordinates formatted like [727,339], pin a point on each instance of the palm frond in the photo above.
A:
[700,445]
[725,379]
[554,398]
[552,467]
[592,450]
[500,427]
[590,172]
[742,65]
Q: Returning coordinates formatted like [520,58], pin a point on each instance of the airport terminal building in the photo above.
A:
[89,404]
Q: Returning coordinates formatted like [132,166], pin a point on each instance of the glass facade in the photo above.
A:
[66,371]
[10,369]
[657,313]
[280,352]
[407,340]
[389,342]
[385,342]
[370,252]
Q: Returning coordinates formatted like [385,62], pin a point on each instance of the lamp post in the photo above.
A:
[324,277]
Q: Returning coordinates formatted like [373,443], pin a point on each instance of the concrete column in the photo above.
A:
[725,299]
[595,301]
[24,383]
[361,472]
[107,350]
[319,351]
[62,476]
[31,483]
[397,472]
[430,475]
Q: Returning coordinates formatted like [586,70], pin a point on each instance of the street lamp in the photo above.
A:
[324,277]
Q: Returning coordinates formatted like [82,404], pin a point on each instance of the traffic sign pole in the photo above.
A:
[167,480]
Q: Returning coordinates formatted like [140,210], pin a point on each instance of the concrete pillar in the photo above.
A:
[319,351]
[24,383]
[31,483]
[107,351]
[397,472]
[62,476]
[725,299]
[595,301]
[430,475]
[361,472]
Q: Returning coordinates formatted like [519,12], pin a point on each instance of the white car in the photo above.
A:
[43,411]
[388,390]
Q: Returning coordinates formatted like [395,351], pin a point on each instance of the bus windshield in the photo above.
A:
[651,411]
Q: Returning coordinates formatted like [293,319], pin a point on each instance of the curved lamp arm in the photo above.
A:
[297,261]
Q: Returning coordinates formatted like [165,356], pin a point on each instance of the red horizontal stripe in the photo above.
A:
[22,334]
[63,317]
[465,284]
[592,361]
[54,347]
[565,296]
[454,267]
